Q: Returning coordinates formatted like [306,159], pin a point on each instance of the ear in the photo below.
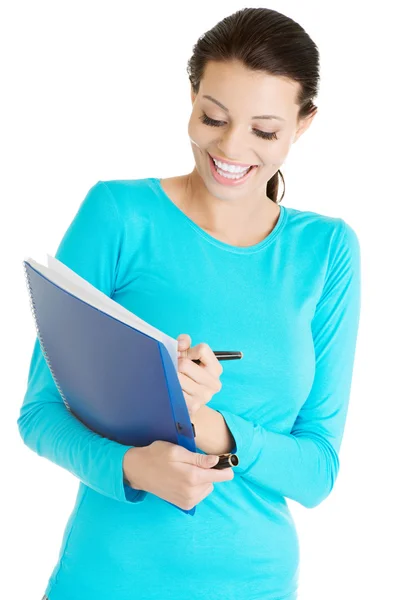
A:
[192,94]
[304,125]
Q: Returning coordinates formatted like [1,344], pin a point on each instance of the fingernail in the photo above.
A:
[179,354]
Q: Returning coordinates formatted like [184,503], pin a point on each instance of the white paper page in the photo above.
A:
[67,279]
[87,288]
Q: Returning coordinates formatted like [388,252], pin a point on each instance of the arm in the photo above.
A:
[91,247]
[304,464]
[213,436]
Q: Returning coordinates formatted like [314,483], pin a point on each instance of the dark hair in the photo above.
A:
[263,40]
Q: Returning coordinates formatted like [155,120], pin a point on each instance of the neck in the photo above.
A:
[238,219]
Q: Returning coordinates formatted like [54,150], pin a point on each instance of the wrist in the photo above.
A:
[131,466]
[212,433]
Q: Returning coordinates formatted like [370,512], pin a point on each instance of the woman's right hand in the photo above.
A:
[173,473]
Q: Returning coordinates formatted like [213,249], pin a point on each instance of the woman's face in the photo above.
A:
[238,133]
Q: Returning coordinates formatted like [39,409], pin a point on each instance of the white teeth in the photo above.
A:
[230,175]
[230,168]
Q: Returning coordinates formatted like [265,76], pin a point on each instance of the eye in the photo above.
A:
[263,134]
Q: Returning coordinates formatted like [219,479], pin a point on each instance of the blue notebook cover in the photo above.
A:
[117,380]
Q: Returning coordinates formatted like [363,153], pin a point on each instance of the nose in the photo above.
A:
[232,145]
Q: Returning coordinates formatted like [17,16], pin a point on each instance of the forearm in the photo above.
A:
[132,467]
[302,465]
[301,468]
[49,429]
[212,434]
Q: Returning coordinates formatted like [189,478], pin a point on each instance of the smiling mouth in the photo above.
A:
[242,165]
[232,164]
[229,178]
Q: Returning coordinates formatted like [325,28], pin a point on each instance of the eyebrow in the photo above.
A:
[227,110]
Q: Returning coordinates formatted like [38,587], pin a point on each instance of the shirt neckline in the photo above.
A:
[156,181]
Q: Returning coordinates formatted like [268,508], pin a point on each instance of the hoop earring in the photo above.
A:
[284,186]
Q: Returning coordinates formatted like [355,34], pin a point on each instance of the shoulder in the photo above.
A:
[314,227]
[126,195]
[125,187]
[324,242]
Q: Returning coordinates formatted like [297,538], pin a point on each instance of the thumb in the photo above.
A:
[204,461]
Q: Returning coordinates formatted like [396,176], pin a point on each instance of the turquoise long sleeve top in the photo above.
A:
[291,304]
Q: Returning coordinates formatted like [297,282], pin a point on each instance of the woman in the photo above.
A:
[214,254]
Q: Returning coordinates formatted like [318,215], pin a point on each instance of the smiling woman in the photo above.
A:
[212,254]
[233,83]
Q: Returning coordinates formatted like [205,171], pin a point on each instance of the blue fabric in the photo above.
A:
[291,304]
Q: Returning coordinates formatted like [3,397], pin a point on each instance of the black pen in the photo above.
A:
[224,355]
[225,460]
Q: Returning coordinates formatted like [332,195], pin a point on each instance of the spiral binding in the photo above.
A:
[46,356]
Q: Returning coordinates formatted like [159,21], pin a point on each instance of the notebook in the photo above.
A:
[115,372]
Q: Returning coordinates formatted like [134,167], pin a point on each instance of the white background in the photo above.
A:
[96,90]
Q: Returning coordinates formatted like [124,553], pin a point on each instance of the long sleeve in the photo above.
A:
[304,464]
[91,247]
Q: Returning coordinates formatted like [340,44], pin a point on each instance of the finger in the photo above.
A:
[215,475]
[196,390]
[207,357]
[184,341]
[199,375]
[188,386]
[191,404]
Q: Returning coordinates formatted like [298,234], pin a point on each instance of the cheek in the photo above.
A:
[198,134]
[278,151]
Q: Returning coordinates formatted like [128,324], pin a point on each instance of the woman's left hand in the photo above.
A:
[199,382]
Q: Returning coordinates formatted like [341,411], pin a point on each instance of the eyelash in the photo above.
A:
[263,134]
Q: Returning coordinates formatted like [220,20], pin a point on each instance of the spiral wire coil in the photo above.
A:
[39,335]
